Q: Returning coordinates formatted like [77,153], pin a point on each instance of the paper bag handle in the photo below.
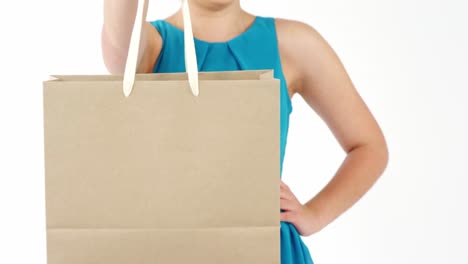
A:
[189,49]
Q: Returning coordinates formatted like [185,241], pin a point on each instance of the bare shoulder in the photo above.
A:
[291,27]
[301,46]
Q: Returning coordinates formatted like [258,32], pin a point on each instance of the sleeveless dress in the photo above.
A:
[254,49]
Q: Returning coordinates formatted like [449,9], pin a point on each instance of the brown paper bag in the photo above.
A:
[163,176]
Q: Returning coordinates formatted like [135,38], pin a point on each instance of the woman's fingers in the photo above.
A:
[284,194]
[288,200]
[289,216]
[283,185]
[288,204]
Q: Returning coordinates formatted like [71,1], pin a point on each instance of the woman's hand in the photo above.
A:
[303,218]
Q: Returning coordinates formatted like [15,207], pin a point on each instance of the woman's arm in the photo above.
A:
[119,17]
[323,82]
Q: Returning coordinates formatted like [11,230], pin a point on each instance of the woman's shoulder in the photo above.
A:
[293,33]
[299,44]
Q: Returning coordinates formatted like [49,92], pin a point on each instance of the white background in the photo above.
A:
[408,59]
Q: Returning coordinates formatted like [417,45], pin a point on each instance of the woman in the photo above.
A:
[229,38]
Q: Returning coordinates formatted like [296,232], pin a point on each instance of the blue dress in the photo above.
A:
[254,49]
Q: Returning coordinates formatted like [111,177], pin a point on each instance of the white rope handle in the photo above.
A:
[190,55]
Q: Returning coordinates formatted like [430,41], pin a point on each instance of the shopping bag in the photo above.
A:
[163,174]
